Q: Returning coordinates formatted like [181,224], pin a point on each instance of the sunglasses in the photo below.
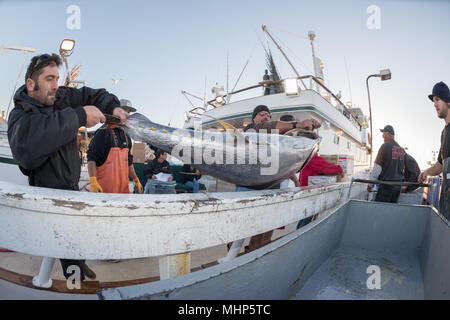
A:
[39,60]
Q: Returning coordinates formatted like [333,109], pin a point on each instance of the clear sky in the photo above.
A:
[161,47]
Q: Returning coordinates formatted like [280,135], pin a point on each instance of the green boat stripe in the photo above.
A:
[282,110]
[7,160]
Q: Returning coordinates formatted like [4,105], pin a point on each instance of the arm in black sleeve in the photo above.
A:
[439,158]
[33,136]
[99,147]
[100,98]
[169,169]
[148,171]
[130,145]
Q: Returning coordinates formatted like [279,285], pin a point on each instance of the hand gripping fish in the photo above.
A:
[243,158]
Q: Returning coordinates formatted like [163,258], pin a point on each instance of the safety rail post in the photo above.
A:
[43,279]
[233,252]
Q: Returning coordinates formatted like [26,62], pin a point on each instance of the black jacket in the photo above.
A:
[412,171]
[154,167]
[102,143]
[43,139]
[391,158]
[188,168]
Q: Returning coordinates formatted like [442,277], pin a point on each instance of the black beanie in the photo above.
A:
[441,90]
[258,109]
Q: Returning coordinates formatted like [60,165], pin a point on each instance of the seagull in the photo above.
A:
[116,81]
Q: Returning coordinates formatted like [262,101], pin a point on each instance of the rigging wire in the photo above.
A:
[348,79]
[291,33]
[293,53]
[243,69]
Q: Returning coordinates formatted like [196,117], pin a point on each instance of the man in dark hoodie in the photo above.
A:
[43,127]
[441,100]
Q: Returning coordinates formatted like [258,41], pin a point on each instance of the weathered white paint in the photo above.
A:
[78,225]
[174,265]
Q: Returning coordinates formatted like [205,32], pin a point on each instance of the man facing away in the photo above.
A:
[190,177]
[43,128]
[412,172]
[441,99]
[389,166]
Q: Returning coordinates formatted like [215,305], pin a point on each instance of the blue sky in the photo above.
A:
[162,47]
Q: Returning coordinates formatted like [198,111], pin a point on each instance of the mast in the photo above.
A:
[316,61]
[285,56]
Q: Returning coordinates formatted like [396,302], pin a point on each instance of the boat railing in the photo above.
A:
[80,225]
[315,84]
[331,98]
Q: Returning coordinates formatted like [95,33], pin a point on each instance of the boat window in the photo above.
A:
[336,139]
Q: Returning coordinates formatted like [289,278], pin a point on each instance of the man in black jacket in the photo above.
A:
[412,172]
[190,177]
[389,166]
[441,99]
[158,165]
[43,127]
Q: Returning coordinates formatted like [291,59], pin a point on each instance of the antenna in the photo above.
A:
[348,79]
[204,96]
[227,73]
[281,50]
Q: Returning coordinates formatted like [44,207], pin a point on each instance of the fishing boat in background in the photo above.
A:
[345,138]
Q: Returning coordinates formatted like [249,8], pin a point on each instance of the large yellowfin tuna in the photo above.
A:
[242,158]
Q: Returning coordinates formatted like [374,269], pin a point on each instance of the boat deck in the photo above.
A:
[344,276]
[331,258]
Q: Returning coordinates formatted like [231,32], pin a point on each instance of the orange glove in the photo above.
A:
[95,186]
[138,186]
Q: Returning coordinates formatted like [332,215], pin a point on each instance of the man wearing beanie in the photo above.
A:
[261,121]
[441,98]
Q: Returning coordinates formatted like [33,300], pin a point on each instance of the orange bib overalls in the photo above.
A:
[113,174]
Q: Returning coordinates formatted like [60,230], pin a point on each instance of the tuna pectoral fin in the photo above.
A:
[302,133]
[229,128]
